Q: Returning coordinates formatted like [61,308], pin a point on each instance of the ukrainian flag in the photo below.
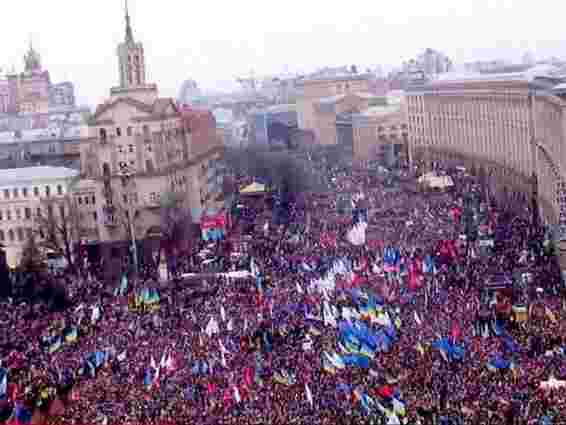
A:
[71,336]
[55,345]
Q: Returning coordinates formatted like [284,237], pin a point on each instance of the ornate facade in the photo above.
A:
[512,127]
[140,149]
[31,91]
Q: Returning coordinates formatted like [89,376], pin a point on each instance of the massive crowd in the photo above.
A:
[416,321]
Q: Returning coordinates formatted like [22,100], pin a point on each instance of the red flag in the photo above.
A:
[249,376]
[456,331]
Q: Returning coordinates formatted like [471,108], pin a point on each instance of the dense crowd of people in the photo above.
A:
[446,309]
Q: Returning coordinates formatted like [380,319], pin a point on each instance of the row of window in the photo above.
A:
[27,213]
[15,192]
[103,133]
[86,200]
[20,233]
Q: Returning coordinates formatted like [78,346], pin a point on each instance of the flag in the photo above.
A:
[124,285]
[71,335]
[222,313]
[309,395]
[3,383]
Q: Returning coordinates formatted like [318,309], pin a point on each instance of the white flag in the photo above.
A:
[222,313]
[309,395]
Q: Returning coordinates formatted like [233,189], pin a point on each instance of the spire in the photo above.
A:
[129,34]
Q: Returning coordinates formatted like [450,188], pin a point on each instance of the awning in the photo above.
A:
[253,188]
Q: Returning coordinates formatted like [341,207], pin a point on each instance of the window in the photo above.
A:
[95,216]
[120,149]
[18,214]
[25,192]
[93,200]
[20,232]
[146,134]
[2,235]
[38,212]
[50,210]
[29,232]
[62,211]
[6,194]
[102,133]
[129,131]
[36,191]
[11,235]
[16,192]
[47,191]
[59,189]
[118,131]
[131,148]
[8,215]
[106,169]
[149,165]
[27,213]
[80,200]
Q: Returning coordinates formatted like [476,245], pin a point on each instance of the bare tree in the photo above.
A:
[176,220]
[59,225]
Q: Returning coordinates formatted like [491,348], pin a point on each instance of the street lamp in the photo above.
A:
[125,177]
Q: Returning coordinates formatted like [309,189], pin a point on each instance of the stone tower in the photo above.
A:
[131,59]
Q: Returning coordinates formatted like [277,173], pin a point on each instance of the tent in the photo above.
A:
[434,181]
[253,189]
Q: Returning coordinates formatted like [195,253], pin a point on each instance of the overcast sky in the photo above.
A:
[214,41]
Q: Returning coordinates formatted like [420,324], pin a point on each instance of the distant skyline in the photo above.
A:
[214,42]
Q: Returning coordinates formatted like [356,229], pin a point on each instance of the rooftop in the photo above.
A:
[28,174]
[338,97]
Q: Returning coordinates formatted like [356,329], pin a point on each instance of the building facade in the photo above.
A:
[312,89]
[511,126]
[25,195]
[142,148]
[31,91]
[381,133]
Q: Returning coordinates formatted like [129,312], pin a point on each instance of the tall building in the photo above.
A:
[509,126]
[32,91]
[143,147]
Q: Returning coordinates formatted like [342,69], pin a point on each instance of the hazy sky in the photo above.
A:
[214,41]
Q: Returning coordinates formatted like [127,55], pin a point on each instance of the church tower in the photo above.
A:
[131,59]
[132,72]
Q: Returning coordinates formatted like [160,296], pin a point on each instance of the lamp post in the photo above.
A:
[125,177]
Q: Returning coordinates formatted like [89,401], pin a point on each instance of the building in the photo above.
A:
[509,126]
[51,138]
[273,126]
[142,147]
[190,94]
[313,89]
[380,132]
[31,91]
[24,195]
[485,65]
